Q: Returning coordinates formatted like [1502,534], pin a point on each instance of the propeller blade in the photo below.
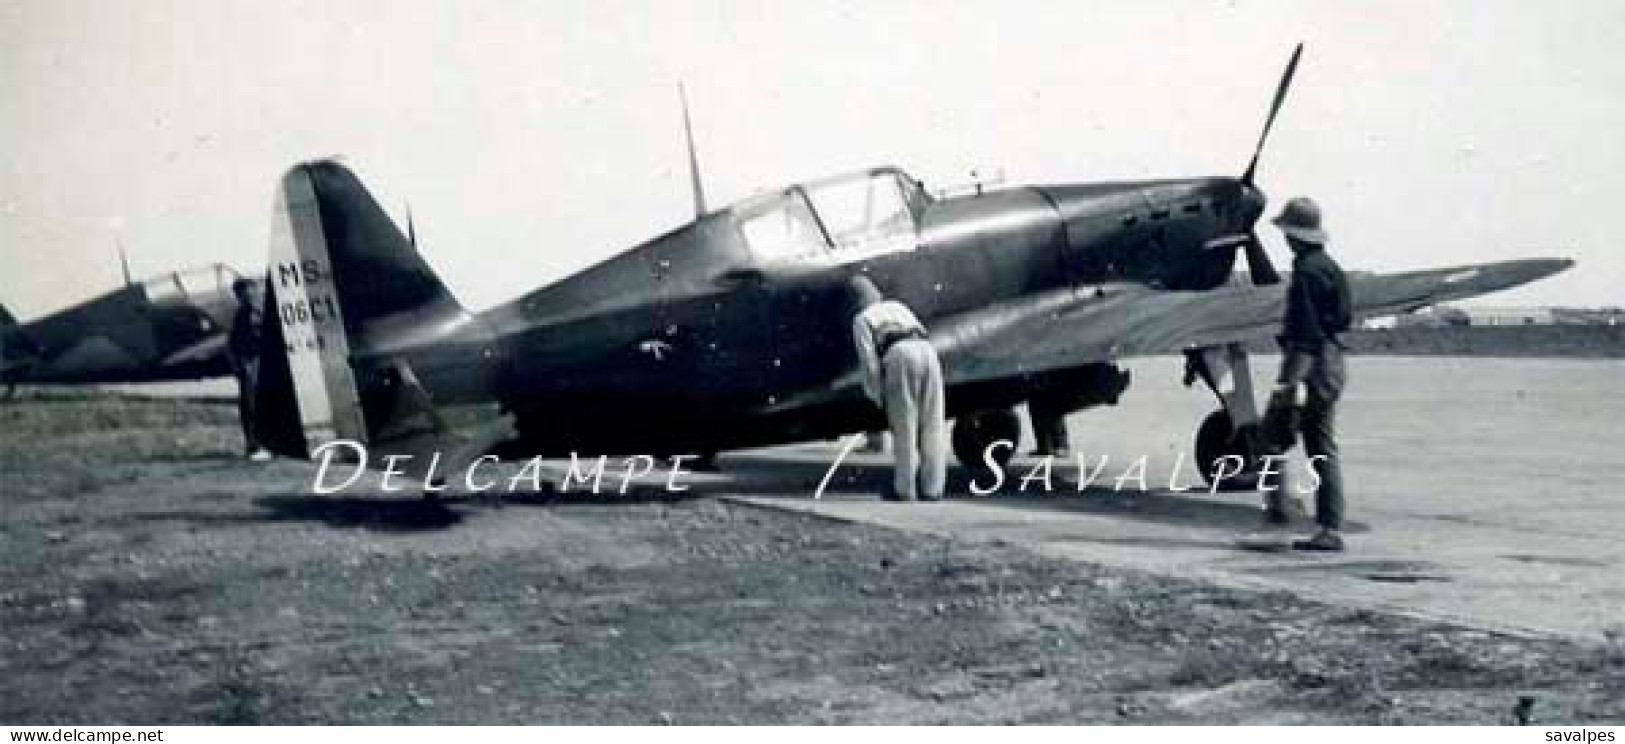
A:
[1275,108]
[1263,272]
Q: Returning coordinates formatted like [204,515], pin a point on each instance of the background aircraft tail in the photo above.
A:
[7,323]
[16,349]
[351,309]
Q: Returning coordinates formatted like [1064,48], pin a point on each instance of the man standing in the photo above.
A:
[243,351]
[1317,310]
[902,375]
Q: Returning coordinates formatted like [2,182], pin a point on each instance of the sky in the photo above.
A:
[534,139]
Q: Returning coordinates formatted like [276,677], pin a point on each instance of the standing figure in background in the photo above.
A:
[243,351]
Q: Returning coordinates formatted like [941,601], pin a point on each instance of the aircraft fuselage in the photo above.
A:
[690,342]
[123,336]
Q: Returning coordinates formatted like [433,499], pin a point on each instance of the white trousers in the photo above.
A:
[914,410]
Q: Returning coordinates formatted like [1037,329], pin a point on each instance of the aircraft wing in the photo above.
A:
[1078,325]
[1073,326]
[209,349]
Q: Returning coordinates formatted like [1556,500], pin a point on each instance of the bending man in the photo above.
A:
[902,375]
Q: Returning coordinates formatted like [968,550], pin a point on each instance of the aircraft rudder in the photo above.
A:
[346,297]
[377,268]
[304,387]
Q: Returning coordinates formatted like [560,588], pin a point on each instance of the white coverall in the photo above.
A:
[907,385]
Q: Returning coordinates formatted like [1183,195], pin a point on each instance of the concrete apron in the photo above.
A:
[1525,582]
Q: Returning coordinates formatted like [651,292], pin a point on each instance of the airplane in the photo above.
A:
[733,331]
[169,327]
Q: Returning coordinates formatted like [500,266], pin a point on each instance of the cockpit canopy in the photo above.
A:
[187,285]
[835,220]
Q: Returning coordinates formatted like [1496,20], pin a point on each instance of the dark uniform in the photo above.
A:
[243,351]
[1318,308]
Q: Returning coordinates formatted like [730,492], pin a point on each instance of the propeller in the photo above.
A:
[1275,108]
[1259,268]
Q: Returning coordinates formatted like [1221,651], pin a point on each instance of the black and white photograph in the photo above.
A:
[718,362]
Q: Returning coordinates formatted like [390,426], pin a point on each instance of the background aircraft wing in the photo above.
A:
[1079,325]
[209,349]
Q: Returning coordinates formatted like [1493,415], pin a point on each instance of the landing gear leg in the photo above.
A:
[975,433]
[1227,443]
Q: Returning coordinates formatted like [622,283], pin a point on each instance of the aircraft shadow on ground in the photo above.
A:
[637,494]
[381,512]
[388,513]
[397,513]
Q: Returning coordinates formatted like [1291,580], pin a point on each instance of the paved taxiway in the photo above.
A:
[160,577]
[1481,490]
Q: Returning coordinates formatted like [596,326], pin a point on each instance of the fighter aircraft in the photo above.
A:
[169,327]
[733,330]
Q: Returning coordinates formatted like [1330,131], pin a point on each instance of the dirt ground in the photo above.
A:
[149,575]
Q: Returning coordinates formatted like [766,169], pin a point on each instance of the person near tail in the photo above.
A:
[243,352]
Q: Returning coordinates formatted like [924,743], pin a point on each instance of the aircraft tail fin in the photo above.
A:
[350,306]
[340,237]
[7,324]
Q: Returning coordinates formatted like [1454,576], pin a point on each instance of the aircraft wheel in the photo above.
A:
[975,432]
[1216,439]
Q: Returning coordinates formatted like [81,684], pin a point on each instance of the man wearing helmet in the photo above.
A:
[1312,370]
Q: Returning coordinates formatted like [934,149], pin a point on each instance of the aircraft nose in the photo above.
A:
[1250,204]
